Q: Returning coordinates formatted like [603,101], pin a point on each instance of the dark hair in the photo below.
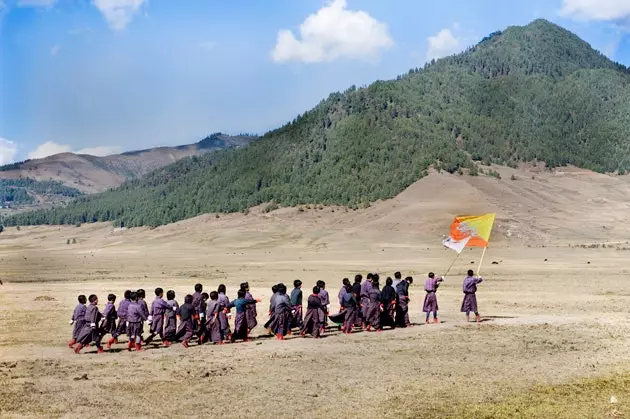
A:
[127,294]
[348,287]
[214,295]
[240,293]
[170,295]
[282,289]
[133,296]
[297,283]
[397,275]
[159,291]
[345,281]
[375,278]
[321,284]
[315,289]
[389,281]
[82,299]
[140,293]
[369,276]
[188,299]
[111,297]
[274,289]
[431,275]
[198,287]
[358,278]
[221,289]
[244,285]
[92,298]
[205,296]
[470,272]
[409,279]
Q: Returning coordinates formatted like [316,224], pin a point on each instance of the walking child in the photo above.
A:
[170,317]
[296,304]
[91,331]
[122,318]
[312,320]
[186,315]
[109,320]
[224,325]
[282,313]
[251,313]
[240,321]
[78,320]
[136,316]
[158,308]
[212,319]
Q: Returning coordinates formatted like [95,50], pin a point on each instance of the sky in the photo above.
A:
[104,76]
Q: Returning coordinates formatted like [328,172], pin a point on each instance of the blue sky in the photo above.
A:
[102,76]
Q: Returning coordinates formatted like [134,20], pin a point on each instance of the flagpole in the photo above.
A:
[452,263]
[481,261]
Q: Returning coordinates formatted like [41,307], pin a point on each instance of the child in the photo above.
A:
[296,304]
[135,318]
[122,316]
[141,294]
[196,302]
[78,320]
[323,295]
[201,328]
[430,300]
[90,331]
[271,323]
[282,312]
[402,308]
[365,298]
[356,290]
[186,313]
[212,319]
[375,306]
[388,297]
[158,308]
[170,315]
[224,325]
[109,320]
[342,291]
[312,320]
[240,321]
[250,309]
[470,298]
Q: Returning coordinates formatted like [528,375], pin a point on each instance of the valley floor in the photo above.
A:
[554,340]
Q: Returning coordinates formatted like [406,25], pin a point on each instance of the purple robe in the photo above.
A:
[109,320]
[342,292]
[402,305]
[122,318]
[373,317]
[224,325]
[271,323]
[250,312]
[170,316]
[79,320]
[470,299]
[430,300]
[366,286]
[158,308]
[91,331]
[212,321]
[312,321]
[135,317]
[282,315]
[186,327]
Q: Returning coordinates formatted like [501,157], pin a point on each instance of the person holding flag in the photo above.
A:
[470,231]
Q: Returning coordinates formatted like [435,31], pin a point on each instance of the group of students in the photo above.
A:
[206,317]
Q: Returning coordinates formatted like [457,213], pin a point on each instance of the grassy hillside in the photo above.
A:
[533,93]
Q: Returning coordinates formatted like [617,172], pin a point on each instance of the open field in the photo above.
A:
[554,340]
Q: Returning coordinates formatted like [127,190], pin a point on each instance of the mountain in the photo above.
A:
[86,174]
[536,94]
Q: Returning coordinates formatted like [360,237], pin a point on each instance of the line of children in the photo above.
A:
[362,304]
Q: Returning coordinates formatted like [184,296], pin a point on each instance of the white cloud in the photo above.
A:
[36,3]
[99,151]
[442,44]
[54,50]
[49,148]
[333,32]
[8,150]
[118,13]
[615,10]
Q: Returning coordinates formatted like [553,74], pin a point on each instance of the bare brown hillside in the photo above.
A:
[92,174]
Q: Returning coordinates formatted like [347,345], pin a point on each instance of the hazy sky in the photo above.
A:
[102,76]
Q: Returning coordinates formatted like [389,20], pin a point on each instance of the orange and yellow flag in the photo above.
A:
[470,231]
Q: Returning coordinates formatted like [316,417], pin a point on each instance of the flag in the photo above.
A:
[456,245]
[470,231]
